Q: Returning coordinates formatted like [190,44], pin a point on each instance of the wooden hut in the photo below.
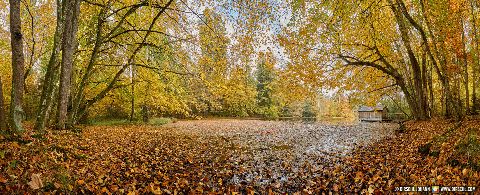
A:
[373,114]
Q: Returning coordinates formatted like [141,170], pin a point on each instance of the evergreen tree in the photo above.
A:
[265,77]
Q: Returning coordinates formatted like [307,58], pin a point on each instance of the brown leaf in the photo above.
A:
[371,189]
[15,145]
[36,181]
[2,179]
[104,190]
[57,185]
[335,188]
[358,176]
[80,182]
[465,172]
[113,188]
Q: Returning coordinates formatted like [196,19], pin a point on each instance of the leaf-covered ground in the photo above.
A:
[245,156]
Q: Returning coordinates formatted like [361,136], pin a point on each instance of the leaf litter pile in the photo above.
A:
[243,156]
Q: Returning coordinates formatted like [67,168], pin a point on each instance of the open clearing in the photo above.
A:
[272,152]
[214,154]
[230,156]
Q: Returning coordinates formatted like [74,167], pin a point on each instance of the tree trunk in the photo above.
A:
[465,75]
[476,64]
[72,9]
[430,88]
[132,106]
[419,110]
[440,67]
[458,97]
[16,103]
[423,75]
[410,100]
[447,103]
[51,75]
[145,114]
[32,49]
[79,95]
[3,121]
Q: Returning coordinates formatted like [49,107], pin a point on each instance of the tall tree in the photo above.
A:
[265,76]
[81,104]
[419,97]
[403,40]
[476,51]
[16,103]
[213,65]
[465,69]
[132,92]
[71,9]
[51,74]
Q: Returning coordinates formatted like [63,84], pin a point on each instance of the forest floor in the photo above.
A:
[245,156]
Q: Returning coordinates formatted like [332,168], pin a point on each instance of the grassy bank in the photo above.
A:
[157,121]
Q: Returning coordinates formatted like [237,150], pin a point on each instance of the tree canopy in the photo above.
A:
[94,59]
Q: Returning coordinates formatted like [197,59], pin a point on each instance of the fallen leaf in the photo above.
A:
[57,185]
[2,179]
[105,190]
[80,182]
[358,176]
[465,172]
[371,189]
[15,145]
[335,188]
[36,181]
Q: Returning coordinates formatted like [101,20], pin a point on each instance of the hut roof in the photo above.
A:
[370,109]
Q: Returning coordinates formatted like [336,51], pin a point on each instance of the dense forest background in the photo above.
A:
[75,61]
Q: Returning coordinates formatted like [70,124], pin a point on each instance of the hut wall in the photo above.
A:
[371,115]
[364,115]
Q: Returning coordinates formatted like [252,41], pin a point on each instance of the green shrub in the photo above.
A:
[270,112]
[159,121]
[308,110]
[114,122]
[110,122]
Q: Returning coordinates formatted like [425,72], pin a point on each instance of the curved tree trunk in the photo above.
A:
[419,105]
